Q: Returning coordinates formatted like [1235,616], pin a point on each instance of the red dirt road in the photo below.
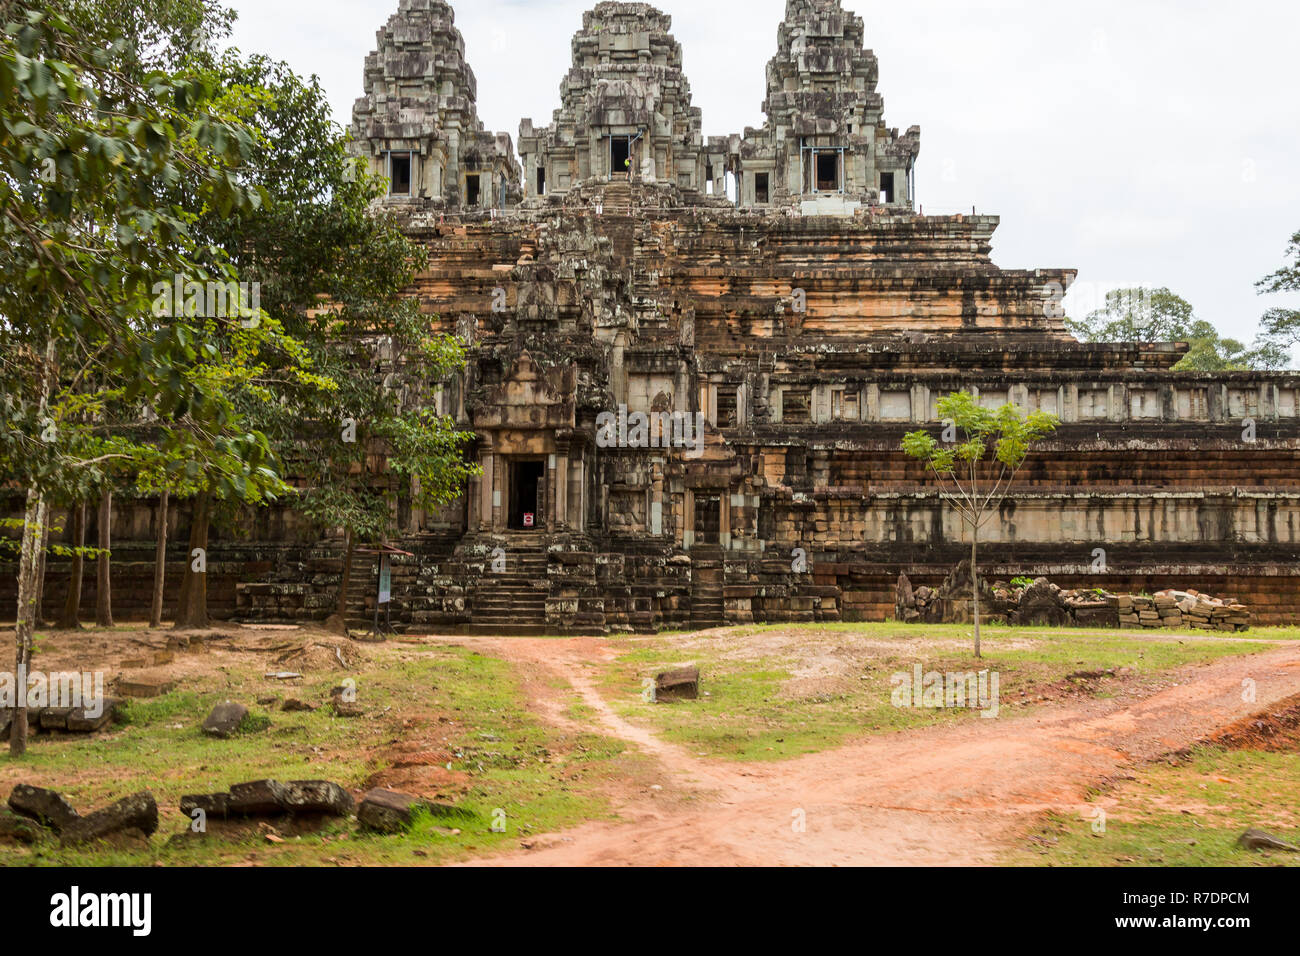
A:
[955,795]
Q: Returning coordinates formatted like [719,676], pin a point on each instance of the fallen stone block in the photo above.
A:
[386,811]
[138,812]
[55,718]
[44,806]
[225,719]
[259,798]
[18,830]
[317,796]
[213,805]
[80,722]
[1254,839]
[682,683]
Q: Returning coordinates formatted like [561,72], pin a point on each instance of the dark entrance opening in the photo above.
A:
[761,190]
[620,156]
[828,172]
[541,180]
[708,519]
[399,174]
[472,189]
[525,495]
[886,187]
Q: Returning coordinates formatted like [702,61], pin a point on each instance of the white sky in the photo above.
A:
[1141,142]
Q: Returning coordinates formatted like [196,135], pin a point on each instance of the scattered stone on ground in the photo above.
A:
[682,683]
[385,811]
[1044,604]
[294,705]
[130,817]
[83,721]
[1254,839]
[44,806]
[225,719]
[77,720]
[271,798]
[17,829]
[258,798]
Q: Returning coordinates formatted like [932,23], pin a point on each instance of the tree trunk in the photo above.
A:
[36,518]
[34,521]
[192,608]
[43,550]
[975,581]
[159,563]
[103,583]
[349,545]
[71,617]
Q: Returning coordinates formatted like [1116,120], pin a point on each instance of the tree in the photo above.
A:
[1282,325]
[335,275]
[1158,315]
[973,433]
[88,146]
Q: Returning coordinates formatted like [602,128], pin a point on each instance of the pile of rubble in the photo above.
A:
[1183,609]
[1044,604]
[35,813]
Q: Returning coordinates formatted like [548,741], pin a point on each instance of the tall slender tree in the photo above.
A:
[976,463]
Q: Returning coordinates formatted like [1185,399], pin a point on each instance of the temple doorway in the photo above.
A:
[708,518]
[526,495]
[620,157]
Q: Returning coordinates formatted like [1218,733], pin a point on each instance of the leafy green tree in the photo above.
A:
[88,148]
[1282,325]
[359,431]
[976,460]
[1158,315]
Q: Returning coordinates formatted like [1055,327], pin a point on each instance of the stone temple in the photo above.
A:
[777,309]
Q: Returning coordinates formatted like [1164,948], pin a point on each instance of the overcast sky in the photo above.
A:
[1141,142]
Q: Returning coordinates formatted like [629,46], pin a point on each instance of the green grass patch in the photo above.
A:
[1187,814]
[753,706]
[523,776]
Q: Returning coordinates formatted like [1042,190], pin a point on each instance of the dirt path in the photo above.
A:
[953,795]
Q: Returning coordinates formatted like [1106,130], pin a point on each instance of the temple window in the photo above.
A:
[399,173]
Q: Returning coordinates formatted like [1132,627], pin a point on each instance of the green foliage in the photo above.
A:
[1158,315]
[1021,583]
[1282,325]
[334,275]
[1000,438]
[95,142]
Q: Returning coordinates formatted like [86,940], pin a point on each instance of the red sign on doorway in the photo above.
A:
[528,519]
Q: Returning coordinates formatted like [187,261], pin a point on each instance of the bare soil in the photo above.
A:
[958,794]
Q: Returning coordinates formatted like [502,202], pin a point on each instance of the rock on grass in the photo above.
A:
[44,806]
[386,811]
[138,813]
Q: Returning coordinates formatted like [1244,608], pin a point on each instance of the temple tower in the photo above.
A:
[417,125]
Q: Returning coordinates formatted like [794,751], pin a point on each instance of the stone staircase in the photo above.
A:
[513,602]
[707,607]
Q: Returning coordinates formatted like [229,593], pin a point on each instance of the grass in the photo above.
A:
[750,710]
[1187,814]
[519,771]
